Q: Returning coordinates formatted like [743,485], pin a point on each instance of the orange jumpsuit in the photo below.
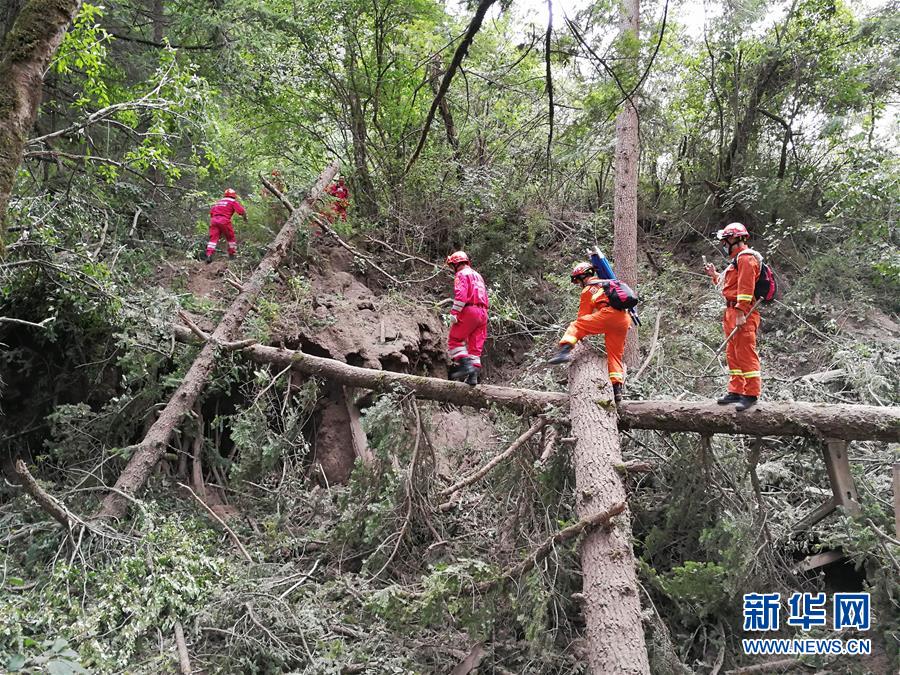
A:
[596,317]
[737,288]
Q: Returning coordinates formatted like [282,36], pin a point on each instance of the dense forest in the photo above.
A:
[256,460]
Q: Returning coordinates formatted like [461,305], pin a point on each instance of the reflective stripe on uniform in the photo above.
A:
[751,373]
[458,351]
[744,298]
[615,374]
[458,305]
[568,340]
[735,372]
[476,361]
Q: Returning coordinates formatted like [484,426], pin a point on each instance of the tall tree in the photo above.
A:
[27,49]
[626,167]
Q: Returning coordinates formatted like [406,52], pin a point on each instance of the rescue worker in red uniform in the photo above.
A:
[597,317]
[737,283]
[220,223]
[468,320]
[341,195]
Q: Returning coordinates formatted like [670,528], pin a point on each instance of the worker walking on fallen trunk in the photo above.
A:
[597,315]
[220,223]
[468,320]
[737,283]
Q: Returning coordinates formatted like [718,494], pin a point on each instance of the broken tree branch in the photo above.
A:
[221,522]
[506,454]
[584,525]
[184,661]
[458,56]
[52,506]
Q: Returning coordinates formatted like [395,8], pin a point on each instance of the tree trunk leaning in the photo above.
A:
[26,51]
[149,451]
[614,633]
[626,170]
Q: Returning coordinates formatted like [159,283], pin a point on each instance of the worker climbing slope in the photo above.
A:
[341,195]
[468,320]
[598,316]
[737,283]
[220,224]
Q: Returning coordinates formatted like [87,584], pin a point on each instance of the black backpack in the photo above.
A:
[766,288]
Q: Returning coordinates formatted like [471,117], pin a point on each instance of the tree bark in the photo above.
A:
[626,170]
[25,54]
[816,420]
[148,452]
[614,634]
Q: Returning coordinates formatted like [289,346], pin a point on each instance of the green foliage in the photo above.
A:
[108,610]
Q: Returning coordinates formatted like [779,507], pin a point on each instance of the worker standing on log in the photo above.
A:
[597,316]
[220,223]
[341,195]
[468,320]
[737,283]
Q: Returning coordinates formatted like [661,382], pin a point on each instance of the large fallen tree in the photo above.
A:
[614,635]
[149,451]
[825,420]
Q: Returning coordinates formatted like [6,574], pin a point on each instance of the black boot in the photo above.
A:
[730,397]
[617,392]
[564,355]
[473,377]
[463,370]
[208,259]
[746,402]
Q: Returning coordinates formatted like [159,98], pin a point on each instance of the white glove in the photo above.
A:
[454,319]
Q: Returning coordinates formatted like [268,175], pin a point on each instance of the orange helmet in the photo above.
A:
[581,270]
[231,193]
[276,172]
[732,230]
[457,258]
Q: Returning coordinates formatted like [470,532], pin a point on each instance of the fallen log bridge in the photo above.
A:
[821,420]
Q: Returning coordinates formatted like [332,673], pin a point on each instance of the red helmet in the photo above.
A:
[457,258]
[581,270]
[732,230]
[231,193]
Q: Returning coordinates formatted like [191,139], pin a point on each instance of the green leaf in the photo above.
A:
[15,662]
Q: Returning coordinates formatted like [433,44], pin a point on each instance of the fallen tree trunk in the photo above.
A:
[612,611]
[149,451]
[818,420]
[848,422]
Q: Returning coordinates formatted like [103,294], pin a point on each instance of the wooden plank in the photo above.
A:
[838,466]
[819,513]
[814,562]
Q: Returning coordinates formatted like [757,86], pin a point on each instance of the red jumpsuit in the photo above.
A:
[470,306]
[737,283]
[220,224]
[596,317]
[341,200]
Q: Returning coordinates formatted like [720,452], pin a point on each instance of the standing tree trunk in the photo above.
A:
[24,56]
[614,634]
[363,189]
[627,152]
[149,451]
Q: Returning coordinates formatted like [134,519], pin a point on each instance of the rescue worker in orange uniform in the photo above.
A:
[596,317]
[737,283]
[468,319]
